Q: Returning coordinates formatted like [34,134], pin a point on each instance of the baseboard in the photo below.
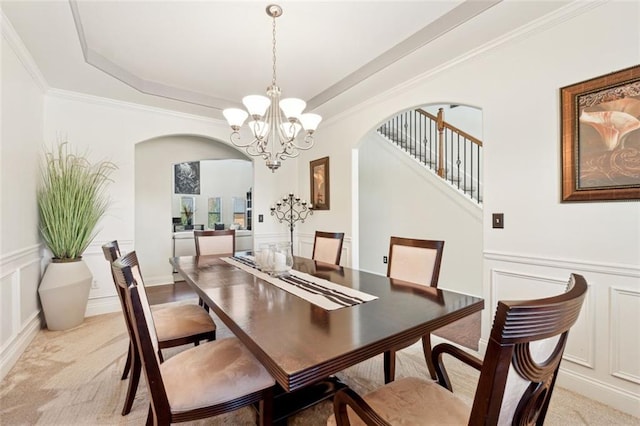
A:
[12,352]
[103,305]
[598,391]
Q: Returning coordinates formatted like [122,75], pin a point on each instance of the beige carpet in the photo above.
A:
[73,378]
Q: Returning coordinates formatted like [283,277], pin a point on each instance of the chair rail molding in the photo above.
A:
[599,267]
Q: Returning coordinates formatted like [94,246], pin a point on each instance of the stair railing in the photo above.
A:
[451,153]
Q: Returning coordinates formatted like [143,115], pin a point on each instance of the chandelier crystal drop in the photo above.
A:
[275,123]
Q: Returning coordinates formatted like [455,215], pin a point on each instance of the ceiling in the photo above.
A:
[202,56]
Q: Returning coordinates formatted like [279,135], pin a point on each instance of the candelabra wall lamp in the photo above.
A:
[291,209]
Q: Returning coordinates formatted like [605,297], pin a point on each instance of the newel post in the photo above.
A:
[440,142]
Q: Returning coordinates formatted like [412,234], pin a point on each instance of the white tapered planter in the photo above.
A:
[64,293]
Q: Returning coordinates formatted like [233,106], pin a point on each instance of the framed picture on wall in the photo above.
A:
[319,171]
[600,127]
[186,178]
[187,209]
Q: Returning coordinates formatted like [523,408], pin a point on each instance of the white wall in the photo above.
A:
[20,249]
[516,83]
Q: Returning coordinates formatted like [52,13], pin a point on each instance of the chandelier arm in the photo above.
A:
[308,140]
[236,140]
[285,155]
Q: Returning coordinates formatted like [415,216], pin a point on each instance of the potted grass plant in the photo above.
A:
[71,202]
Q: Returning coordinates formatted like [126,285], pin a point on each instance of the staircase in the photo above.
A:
[449,152]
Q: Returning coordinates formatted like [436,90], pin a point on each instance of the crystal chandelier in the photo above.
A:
[275,123]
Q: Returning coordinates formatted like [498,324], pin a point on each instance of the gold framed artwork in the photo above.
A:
[319,171]
[600,127]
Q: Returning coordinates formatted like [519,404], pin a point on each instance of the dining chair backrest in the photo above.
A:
[124,270]
[416,261]
[111,251]
[523,355]
[327,247]
[215,242]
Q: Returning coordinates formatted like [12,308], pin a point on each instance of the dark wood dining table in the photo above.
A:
[302,344]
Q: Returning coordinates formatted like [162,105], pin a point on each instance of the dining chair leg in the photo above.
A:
[265,409]
[136,368]
[150,416]
[204,305]
[127,364]
[426,348]
[389,366]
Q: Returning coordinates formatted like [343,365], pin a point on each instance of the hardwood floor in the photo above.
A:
[465,332]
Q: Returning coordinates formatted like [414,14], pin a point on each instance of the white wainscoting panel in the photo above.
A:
[103,298]
[8,310]
[625,334]
[19,307]
[602,353]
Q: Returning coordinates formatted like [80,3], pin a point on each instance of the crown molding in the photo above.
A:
[99,100]
[24,56]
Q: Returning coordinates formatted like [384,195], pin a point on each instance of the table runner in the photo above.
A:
[320,292]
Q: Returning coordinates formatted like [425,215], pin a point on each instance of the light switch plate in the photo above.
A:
[498,220]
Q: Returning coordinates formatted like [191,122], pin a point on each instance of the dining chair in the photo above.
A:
[516,381]
[205,381]
[415,261]
[214,242]
[176,325]
[327,247]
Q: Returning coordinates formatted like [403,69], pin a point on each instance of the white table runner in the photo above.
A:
[320,292]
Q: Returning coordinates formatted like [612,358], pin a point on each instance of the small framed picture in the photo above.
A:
[319,171]
[186,178]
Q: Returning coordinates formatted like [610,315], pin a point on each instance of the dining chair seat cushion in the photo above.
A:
[414,401]
[212,373]
[179,321]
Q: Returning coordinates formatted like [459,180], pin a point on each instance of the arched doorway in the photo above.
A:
[399,196]
[154,192]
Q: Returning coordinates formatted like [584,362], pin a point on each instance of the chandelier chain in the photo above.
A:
[273,81]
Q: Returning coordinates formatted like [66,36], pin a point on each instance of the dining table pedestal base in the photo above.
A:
[286,404]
